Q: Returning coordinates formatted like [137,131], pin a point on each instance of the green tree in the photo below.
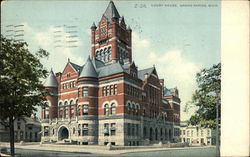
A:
[20,86]
[207,97]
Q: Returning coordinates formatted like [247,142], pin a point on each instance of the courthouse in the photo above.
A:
[108,99]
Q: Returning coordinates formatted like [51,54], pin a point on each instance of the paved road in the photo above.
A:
[194,152]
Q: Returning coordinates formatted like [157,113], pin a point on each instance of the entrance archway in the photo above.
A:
[63,133]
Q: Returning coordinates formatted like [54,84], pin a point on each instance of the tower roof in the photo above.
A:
[111,12]
[51,80]
[88,70]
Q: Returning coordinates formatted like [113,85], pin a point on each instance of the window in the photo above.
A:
[113,129]
[113,109]
[18,126]
[129,129]
[106,109]
[78,92]
[133,129]
[84,129]
[115,89]
[103,91]
[107,93]
[137,130]
[187,133]
[68,75]
[71,108]
[46,131]
[106,129]
[84,91]
[201,132]
[208,132]
[192,133]
[78,110]
[66,109]
[111,90]
[60,110]
[85,109]
[46,116]
[184,132]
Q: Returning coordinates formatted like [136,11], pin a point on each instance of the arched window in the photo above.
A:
[78,109]
[66,109]
[133,108]
[101,55]
[137,109]
[71,108]
[113,109]
[106,109]
[109,53]
[60,110]
[129,107]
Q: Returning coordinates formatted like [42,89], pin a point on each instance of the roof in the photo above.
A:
[88,70]
[110,69]
[141,73]
[29,120]
[167,92]
[51,80]
[111,12]
[76,67]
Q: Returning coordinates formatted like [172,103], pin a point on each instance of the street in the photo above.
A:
[185,152]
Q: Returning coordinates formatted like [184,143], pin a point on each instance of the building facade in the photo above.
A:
[197,135]
[108,100]
[27,129]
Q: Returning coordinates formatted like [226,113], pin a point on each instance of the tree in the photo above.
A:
[20,86]
[207,97]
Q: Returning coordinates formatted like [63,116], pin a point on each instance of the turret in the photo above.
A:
[49,111]
[88,88]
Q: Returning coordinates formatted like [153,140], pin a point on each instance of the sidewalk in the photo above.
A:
[95,149]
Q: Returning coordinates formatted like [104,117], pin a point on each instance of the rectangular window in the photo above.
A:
[208,132]
[84,91]
[137,130]
[103,91]
[133,129]
[107,93]
[78,92]
[85,109]
[46,131]
[84,129]
[113,129]
[192,133]
[115,89]
[129,129]
[18,126]
[111,90]
[106,129]
[201,132]
[184,132]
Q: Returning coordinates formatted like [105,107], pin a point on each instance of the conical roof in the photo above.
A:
[51,80]
[88,70]
[111,12]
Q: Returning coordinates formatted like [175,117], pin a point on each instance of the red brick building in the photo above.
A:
[108,100]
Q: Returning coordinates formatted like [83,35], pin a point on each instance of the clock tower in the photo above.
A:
[111,39]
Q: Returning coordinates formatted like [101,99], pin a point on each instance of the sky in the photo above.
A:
[179,38]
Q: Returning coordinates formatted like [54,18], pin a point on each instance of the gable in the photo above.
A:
[69,69]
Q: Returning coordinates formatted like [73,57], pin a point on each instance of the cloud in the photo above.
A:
[171,65]
[59,41]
